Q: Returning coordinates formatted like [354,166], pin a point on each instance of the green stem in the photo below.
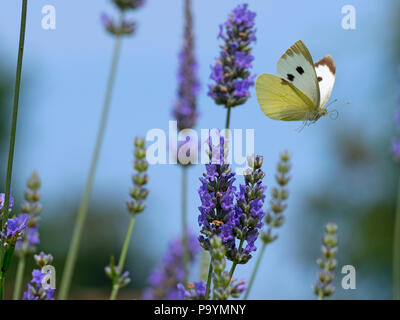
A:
[184,225]
[396,250]
[19,278]
[208,287]
[13,131]
[81,217]
[253,275]
[122,257]
[228,118]
[15,111]
[235,263]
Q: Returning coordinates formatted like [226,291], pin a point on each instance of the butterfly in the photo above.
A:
[302,90]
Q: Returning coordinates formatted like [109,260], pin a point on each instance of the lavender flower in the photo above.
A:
[185,106]
[43,259]
[124,26]
[194,291]
[217,195]
[32,207]
[13,230]
[246,220]
[119,278]
[35,288]
[231,72]
[327,263]
[2,198]
[138,192]
[128,4]
[164,280]
[274,217]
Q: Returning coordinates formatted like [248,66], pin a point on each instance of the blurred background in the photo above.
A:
[343,170]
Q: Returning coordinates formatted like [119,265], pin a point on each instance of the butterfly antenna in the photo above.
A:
[331,103]
[333,114]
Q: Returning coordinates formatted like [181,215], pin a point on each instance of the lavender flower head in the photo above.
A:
[2,199]
[327,263]
[13,229]
[32,207]
[246,221]
[128,4]
[164,280]
[123,26]
[193,291]
[217,195]
[185,106]
[138,192]
[231,73]
[36,290]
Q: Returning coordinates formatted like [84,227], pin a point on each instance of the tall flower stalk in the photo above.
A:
[118,30]
[5,254]
[231,72]
[30,239]
[186,114]
[274,217]
[136,205]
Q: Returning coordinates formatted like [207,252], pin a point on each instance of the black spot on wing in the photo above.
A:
[300,70]
[290,77]
[319,79]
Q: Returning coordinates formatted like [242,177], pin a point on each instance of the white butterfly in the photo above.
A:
[301,91]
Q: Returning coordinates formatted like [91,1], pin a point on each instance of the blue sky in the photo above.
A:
[67,68]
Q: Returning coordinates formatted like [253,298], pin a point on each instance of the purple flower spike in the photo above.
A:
[14,228]
[185,106]
[246,221]
[217,195]
[164,281]
[36,290]
[32,207]
[231,73]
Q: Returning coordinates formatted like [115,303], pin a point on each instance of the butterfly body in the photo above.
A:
[301,90]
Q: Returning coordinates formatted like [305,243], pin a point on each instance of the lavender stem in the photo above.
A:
[124,252]
[184,225]
[253,274]
[210,271]
[19,277]
[81,217]
[15,111]
[13,130]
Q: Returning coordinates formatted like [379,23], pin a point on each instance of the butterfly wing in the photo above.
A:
[297,67]
[326,75]
[281,100]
